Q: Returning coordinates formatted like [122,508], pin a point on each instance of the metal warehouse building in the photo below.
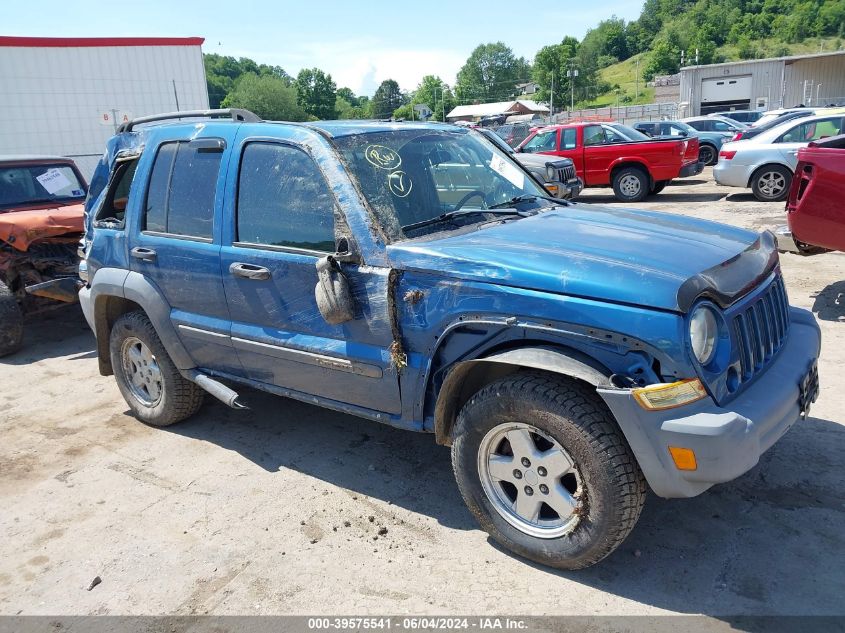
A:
[764,84]
[66,96]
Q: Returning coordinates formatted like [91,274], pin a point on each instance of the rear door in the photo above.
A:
[800,134]
[283,219]
[176,240]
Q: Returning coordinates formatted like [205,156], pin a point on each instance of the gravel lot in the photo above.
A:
[288,508]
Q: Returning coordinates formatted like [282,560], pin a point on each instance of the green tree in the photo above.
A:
[347,95]
[490,74]
[551,66]
[268,96]
[387,99]
[664,59]
[315,93]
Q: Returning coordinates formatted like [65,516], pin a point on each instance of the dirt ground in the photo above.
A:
[288,508]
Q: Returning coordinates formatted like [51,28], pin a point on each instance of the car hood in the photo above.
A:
[627,256]
[539,160]
[21,228]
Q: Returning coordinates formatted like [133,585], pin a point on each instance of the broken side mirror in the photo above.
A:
[333,295]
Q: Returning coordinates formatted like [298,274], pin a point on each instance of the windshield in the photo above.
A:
[413,176]
[22,185]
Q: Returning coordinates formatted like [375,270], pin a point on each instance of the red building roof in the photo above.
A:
[75,42]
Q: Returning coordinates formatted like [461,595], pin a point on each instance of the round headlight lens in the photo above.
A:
[703,334]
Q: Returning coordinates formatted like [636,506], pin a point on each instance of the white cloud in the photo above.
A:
[363,64]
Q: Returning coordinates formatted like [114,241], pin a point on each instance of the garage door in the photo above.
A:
[726,89]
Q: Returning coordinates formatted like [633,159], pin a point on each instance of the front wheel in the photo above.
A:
[545,470]
[148,380]
[631,184]
[11,322]
[771,183]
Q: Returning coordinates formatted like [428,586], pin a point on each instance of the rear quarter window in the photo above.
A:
[181,194]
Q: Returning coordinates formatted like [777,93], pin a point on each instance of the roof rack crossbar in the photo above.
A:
[236,114]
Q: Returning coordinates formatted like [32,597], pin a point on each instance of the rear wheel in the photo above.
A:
[11,322]
[707,154]
[545,470]
[771,183]
[631,184]
[147,378]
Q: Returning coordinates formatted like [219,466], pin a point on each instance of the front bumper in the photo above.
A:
[565,190]
[691,169]
[727,441]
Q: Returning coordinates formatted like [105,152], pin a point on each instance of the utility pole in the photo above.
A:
[638,77]
[552,100]
[572,73]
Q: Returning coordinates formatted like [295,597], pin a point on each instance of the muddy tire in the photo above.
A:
[11,322]
[146,376]
[545,470]
[631,184]
[771,183]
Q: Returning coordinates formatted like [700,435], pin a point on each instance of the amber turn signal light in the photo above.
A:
[684,458]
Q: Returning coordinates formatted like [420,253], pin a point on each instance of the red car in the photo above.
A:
[634,164]
[41,221]
[814,207]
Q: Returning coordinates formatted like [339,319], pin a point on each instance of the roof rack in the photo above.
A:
[236,114]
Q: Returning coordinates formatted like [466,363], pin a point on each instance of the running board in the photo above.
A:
[215,388]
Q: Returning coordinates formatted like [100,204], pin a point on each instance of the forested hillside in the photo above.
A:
[609,61]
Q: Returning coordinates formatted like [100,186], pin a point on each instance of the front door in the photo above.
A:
[175,243]
[283,221]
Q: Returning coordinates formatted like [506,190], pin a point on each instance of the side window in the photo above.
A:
[113,210]
[612,136]
[569,138]
[720,126]
[812,131]
[593,135]
[542,142]
[283,199]
[180,197]
[698,125]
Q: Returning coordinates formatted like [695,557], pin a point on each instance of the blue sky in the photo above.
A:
[359,43]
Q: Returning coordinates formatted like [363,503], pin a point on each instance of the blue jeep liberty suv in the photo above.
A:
[415,274]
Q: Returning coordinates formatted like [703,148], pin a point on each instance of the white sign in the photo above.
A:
[507,170]
[114,117]
[53,180]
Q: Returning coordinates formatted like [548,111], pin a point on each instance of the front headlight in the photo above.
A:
[703,334]
[551,173]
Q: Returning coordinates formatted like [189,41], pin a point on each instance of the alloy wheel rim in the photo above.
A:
[630,185]
[142,372]
[772,184]
[706,155]
[530,479]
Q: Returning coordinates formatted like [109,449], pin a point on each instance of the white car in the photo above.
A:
[766,162]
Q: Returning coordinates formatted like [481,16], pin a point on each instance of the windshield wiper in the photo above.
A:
[445,217]
[528,197]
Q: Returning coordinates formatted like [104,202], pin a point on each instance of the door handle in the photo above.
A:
[249,271]
[144,254]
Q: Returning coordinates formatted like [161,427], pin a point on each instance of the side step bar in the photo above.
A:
[215,388]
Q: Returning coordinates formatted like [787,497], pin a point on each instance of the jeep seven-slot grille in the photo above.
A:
[761,329]
[565,174]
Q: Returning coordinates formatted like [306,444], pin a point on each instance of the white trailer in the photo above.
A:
[66,96]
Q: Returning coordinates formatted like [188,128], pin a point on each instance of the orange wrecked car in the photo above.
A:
[41,220]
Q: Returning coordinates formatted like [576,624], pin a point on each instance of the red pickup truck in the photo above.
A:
[814,206]
[634,164]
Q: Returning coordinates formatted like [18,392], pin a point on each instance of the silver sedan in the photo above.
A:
[765,163]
